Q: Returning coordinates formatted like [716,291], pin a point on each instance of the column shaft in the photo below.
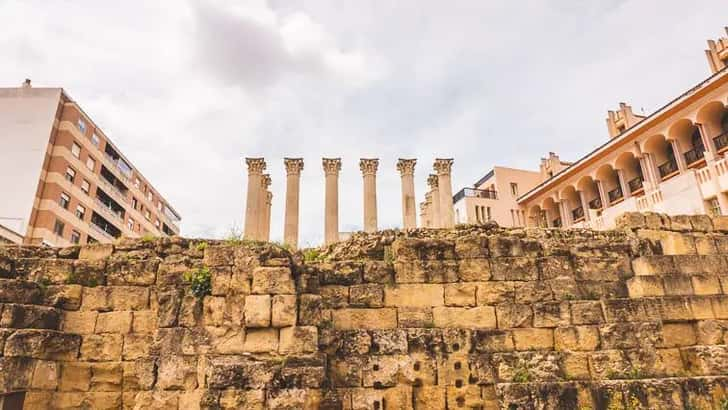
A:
[263,205]
[265,236]
[444,182]
[623,184]
[293,189]
[332,166]
[369,168]
[252,201]
[406,168]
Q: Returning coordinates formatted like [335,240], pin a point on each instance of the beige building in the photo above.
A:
[671,161]
[64,182]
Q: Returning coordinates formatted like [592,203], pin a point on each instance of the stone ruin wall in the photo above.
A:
[475,317]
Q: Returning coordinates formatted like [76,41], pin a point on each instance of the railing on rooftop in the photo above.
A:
[475,193]
[721,141]
[615,194]
[635,184]
[667,168]
[578,213]
[595,203]
[694,155]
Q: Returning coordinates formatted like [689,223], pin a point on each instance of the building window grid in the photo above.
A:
[714,207]
[81,124]
[70,174]
[65,200]
[75,237]
[85,186]
[514,189]
[90,163]
[95,139]
[76,150]
[80,212]
[58,227]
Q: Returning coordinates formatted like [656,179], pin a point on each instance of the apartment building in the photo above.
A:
[671,161]
[64,182]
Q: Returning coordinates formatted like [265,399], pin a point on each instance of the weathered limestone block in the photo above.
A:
[257,310]
[654,265]
[680,285]
[576,338]
[96,251]
[16,373]
[645,286]
[341,273]
[399,397]
[123,271]
[101,347]
[414,317]
[552,267]
[52,270]
[298,339]
[383,318]
[460,294]
[369,295]
[177,372]
[409,249]
[113,322]
[144,321]
[415,295]
[67,297]
[239,372]
[530,292]
[533,339]
[309,310]
[491,293]
[706,285]
[42,344]
[129,298]
[136,346]
[219,255]
[609,364]
[511,315]
[471,246]
[273,281]
[261,340]
[242,399]
[283,311]
[334,296]
[517,268]
[630,220]
[106,376]
[378,272]
[607,269]
[452,317]
[429,397]
[551,314]
[389,341]
[190,311]
[80,322]
[521,367]
[488,341]
[138,375]
[473,270]
[29,316]
[213,310]
[19,291]
[75,376]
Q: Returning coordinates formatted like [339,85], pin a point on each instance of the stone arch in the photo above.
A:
[689,140]
[630,166]
[714,118]
[662,154]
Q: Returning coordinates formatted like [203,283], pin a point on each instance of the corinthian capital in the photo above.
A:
[332,166]
[265,181]
[294,166]
[255,165]
[432,181]
[406,166]
[443,166]
[369,166]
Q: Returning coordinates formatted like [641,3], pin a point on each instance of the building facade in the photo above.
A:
[64,182]
[672,161]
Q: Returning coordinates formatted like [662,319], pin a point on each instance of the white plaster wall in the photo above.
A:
[26,121]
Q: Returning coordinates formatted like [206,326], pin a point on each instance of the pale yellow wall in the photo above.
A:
[26,121]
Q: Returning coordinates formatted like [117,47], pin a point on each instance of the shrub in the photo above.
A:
[521,375]
[313,255]
[200,282]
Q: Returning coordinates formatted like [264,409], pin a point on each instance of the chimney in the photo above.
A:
[26,83]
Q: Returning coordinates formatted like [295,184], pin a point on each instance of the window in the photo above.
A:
[714,206]
[150,197]
[76,150]
[136,182]
[70,174]
[514,189]
[80,212]
[81,125]
[159,206]
[90,163]
[65,199]
[95,139]
[156,223]
[488,216]
[58,228]
[85,186]
[134,203]
[91,240]
[130,224]
[75,237]
[148,215]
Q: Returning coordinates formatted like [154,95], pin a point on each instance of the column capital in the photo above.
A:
[294,166]
[369,166]
[432,181]
[255,165]
[443,166]
[423,206]
[332,166]
[265,181]
[406,166]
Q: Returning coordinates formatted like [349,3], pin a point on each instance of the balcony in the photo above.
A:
[101,230]
[114,190]
[114,165]
[635,184]
[694,155]
[578,214]
[615,195]
[108,211]
[668,169]
[595,203]
[721,141]
[475,193]
[556,223]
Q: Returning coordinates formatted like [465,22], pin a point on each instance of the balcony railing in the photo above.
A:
[114,190]
[118,168]
[108,211]
[635,184]
[615,194]
[721,141]
[695,155]
[475,193]
[595,203]
[667,168]
[101,231]
[578,213]
[556,223]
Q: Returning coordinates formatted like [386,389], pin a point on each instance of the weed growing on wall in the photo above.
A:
[200,282]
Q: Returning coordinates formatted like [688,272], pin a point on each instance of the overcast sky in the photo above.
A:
[187,89]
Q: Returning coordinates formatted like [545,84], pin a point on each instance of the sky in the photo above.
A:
[187,89]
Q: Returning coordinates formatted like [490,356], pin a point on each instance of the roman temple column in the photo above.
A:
[266,222]
[369,168]
[256,166]
[263,199]
[434,206]
[332,166]
[443,167]
[294,166]
[406,168]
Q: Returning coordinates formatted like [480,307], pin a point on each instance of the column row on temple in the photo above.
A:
[259,198]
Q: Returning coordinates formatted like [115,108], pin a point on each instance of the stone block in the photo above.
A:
[128,297]
[576,338]
[177,372]
[653,265]
[101,347]
[368,295]
[220,278]
[533,339]
[96,251]
[516,268]
[429,397]
[257,311]
[144,321]
[298,339]
[219,255]
[378,272]
[106,376]
[136,346]
[576,366]
[409,272]
[343,273]
[42,344]
[80,322]
[677,285]
[720,306]
[383,318]
[491,293]
[273,281]
[474,270]
[706,285]
[630,220]
[645,286]
[414,317]
[75,376]
[113,322]
[123,271]
[602,268]
[261,340]
[586,313]
[389,341]
[701,307]
[488,341]
[29,317]
[168,307]
[720,223]
[138,375]
[242,399]
[553,267]
[454,317]
[415,295]
[334,296]
[213,310]
[460,294]
[705,245]
[551,314]
[45,375]
[283,312]
[511,315]
[310,311]
[19,291]
[535,291]
[67,297]
[701,223]
[471,246]
[678,335]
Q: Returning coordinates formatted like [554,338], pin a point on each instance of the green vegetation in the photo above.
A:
[521,375]
[313,255]
[388,255]
[201,246]
[200,281]
[723,405]
[148,237]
